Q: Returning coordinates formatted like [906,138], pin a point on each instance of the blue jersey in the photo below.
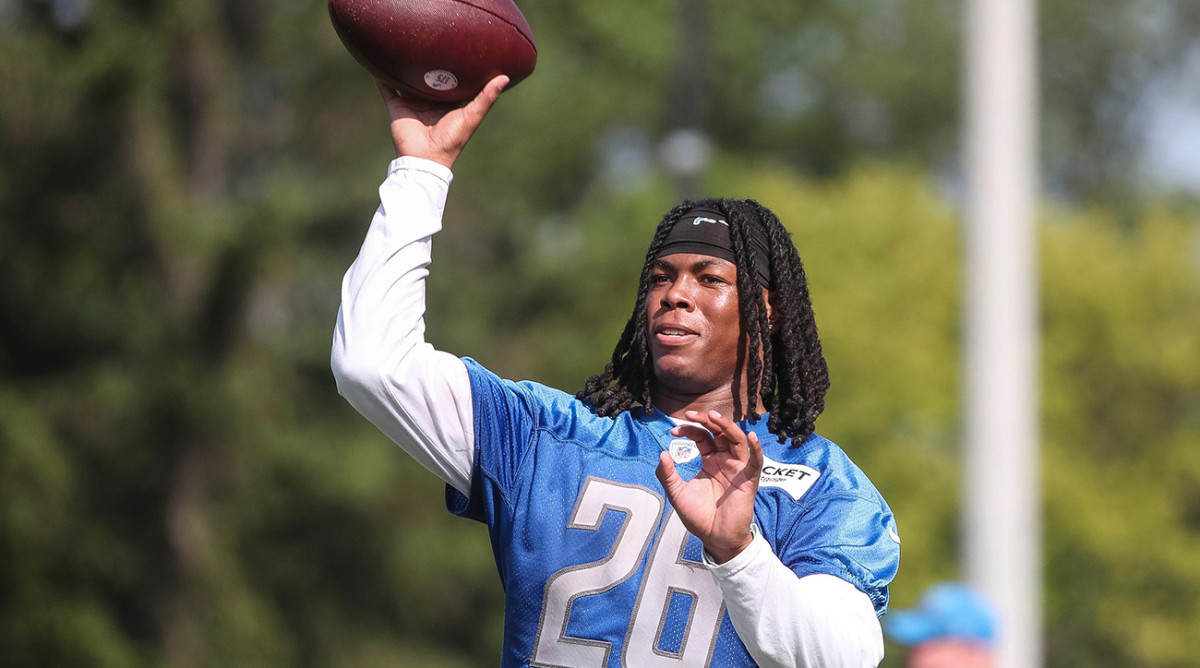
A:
[597,568]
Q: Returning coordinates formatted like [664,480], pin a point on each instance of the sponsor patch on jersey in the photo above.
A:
[795,479]
[683,450]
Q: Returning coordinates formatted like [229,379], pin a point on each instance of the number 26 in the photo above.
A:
[667,574]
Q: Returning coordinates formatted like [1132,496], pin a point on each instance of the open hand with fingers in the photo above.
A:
[437,132]
[717,505]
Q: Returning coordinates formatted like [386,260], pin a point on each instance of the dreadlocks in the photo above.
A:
[793,380]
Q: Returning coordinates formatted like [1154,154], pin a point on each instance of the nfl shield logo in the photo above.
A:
[683,450]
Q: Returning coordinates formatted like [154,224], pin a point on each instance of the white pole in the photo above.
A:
[1002,530]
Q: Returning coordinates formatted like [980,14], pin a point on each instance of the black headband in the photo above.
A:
[704,230]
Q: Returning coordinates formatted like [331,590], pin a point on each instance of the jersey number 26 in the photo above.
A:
[667,575]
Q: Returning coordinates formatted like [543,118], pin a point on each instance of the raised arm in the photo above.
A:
[419,397]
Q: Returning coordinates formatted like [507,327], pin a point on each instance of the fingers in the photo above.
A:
[397,106]
[668,476]
[703,438]
[388,93]
[476,109]
[754,461]
[487,97]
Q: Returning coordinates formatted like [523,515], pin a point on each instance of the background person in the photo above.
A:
[952,627]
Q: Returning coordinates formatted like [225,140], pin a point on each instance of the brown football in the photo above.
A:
[437,50]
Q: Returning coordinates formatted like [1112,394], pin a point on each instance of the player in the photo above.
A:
[656,519]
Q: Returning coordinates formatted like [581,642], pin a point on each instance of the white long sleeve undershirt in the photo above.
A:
[421,399]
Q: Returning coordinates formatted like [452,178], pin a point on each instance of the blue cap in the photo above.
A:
[947,610]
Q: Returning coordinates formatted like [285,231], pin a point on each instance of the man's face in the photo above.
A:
[694,325]
[949,653]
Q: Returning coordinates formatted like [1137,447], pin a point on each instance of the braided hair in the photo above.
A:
[793,380]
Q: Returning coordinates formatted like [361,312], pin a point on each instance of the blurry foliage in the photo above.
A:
[182,185]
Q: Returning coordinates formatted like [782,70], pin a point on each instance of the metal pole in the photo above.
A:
[686,147]
[1001,482]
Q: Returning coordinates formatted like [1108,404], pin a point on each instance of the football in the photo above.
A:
[441,51]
